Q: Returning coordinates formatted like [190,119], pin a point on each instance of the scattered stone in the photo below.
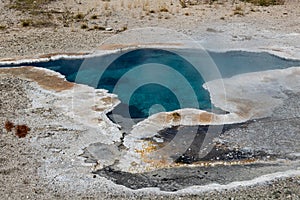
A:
[108,29]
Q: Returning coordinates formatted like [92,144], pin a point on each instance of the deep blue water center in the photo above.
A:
[145,78]
[154,80]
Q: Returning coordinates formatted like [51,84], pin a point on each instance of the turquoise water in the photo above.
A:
[146,77]
[148,81]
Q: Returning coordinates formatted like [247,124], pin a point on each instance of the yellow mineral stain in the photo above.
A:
[163,162]
[173,117]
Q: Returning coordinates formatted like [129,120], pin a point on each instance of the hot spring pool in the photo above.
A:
[165,90]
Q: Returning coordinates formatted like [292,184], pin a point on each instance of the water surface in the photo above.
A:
[178,85]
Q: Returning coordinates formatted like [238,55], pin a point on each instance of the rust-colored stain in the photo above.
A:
[9,126]
[206,117]
[173,117]
[244,106]
[176,117]
[45,80]
[22,130]
[108,100]
[146,149]
[98,109]
[122,46]
[145,154]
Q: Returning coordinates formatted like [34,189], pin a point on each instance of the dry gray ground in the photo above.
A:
[211,24]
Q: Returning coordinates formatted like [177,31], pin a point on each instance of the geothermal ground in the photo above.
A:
[62,156]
